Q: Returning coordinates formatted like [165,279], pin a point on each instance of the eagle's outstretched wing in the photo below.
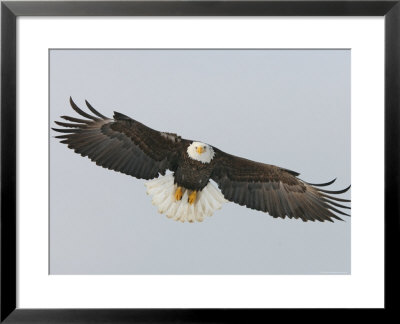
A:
[274,190]
[121,144]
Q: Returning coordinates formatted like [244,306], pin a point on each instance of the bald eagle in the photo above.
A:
[186,194]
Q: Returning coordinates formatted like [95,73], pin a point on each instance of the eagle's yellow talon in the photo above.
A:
[192,197]
[178,194]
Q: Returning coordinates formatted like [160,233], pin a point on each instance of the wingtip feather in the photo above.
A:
[80,111]
[94,111]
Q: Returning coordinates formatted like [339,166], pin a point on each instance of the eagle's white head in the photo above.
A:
[200,152]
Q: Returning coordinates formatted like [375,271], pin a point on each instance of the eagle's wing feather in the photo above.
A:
[121,144]
[274,190]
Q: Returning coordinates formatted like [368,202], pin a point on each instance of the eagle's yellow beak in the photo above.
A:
[200,149]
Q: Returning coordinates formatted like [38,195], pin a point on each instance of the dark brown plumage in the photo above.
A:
[125,145]
[274,190]
[120,144]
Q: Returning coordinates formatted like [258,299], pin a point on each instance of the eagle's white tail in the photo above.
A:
[163,189]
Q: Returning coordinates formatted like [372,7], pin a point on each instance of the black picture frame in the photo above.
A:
[10,10]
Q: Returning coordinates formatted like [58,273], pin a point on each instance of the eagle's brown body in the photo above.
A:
[191,174]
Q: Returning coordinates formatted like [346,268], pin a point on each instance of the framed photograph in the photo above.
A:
[178,161]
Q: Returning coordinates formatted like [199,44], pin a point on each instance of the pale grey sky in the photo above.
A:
[290,108]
